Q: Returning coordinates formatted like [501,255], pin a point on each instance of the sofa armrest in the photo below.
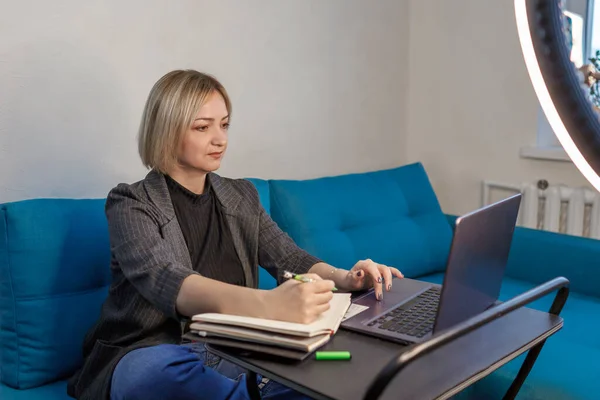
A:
[537,256]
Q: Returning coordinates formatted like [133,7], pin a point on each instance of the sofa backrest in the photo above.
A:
[391,216]
[55,255]
[54,275]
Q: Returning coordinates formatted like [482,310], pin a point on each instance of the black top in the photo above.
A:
[206,233]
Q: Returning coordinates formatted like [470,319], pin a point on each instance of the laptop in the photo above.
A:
[415,310]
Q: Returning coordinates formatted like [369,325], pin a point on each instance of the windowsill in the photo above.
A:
[544,153]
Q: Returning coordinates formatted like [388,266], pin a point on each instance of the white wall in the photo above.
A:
[471,106]
[318,87]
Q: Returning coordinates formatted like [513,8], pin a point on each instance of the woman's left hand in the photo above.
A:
[368,274]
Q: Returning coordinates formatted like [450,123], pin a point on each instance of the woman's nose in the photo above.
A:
[220,138]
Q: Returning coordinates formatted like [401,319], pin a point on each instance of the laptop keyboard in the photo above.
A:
[414,318]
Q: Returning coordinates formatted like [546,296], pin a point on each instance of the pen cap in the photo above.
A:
[332,355]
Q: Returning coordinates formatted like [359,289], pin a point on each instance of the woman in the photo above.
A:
[186,241]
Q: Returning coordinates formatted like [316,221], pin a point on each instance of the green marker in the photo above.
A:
[332,355]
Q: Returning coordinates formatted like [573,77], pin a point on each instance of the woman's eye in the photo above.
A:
[226,125]
[202,128]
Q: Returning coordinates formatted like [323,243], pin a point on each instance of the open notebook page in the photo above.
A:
[328,322]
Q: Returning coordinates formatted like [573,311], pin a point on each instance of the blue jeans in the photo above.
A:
[182,372]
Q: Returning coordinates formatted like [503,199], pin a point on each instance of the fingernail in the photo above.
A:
[359,273]
[379,279]
[380,296]
[389,287]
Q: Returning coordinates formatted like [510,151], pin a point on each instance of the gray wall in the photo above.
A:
[471,106]
[318,87]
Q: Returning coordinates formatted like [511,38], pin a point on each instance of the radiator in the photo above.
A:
[555,208]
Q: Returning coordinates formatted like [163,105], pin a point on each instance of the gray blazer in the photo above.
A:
[150,260]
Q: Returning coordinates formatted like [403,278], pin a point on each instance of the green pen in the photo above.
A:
[301,278]
[332,355]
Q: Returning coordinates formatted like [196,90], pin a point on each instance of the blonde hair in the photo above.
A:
[170,110]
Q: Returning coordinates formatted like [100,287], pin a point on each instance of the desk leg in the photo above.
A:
[557,306]
[532,355]
[252,385]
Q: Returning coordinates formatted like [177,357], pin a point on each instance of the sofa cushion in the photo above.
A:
[52,391]
[391,216]
[54,275]
[567,366]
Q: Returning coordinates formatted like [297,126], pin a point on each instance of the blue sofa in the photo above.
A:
[54,275]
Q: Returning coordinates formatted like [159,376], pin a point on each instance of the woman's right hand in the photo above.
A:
[301,302]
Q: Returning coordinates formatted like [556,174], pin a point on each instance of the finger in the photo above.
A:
[321,298]
[322,286]
[372,272]
[385,272]
[356,278]
[314,277]
[358,274]
[396,272]
[320,309]
[290,283]
[314,313]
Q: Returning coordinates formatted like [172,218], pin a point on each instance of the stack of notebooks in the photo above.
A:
[284,339]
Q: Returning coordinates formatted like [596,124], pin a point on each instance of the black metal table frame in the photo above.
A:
[406,357]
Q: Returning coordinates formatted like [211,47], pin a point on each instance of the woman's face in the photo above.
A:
[204,144]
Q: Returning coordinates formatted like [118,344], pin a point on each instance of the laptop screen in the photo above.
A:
[477,261]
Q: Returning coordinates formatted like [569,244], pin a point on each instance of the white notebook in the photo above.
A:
[327,324]
[300,343]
